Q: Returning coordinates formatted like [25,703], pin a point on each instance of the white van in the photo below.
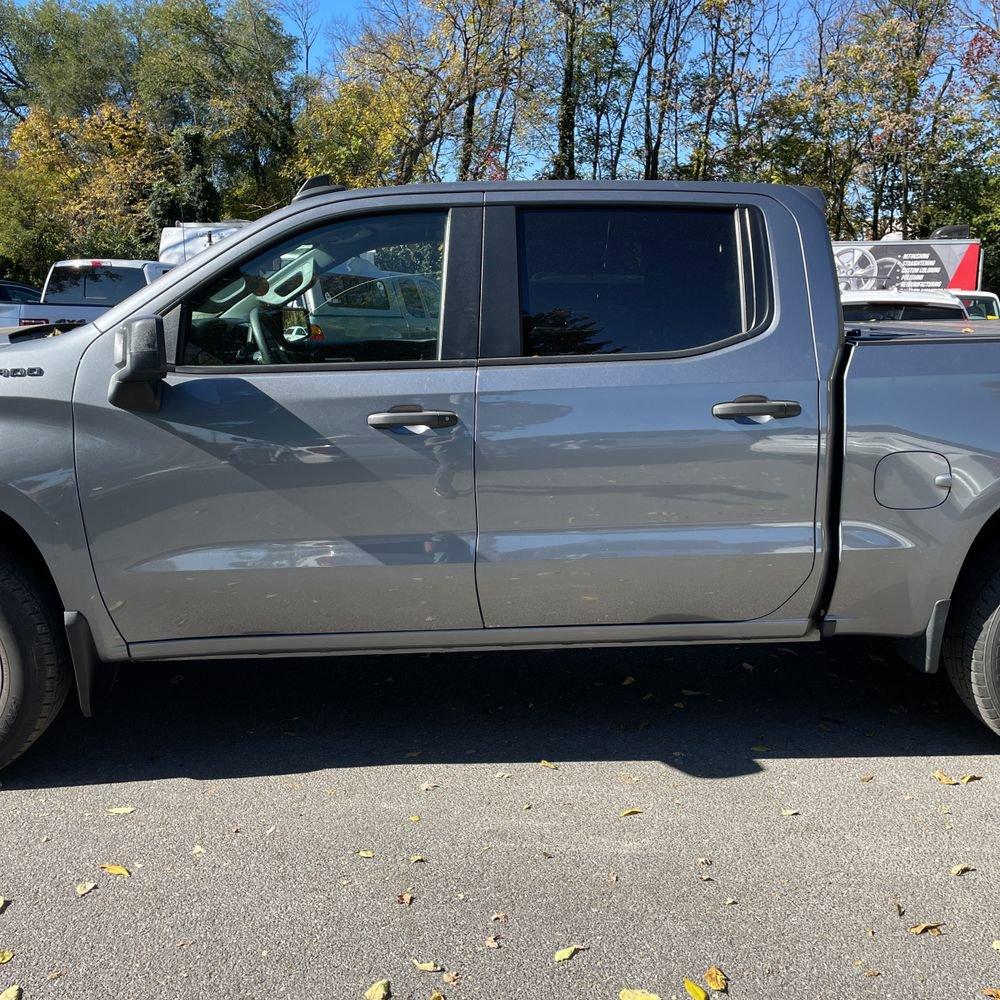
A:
[187,239]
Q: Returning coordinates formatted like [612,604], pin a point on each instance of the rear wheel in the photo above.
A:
[34,670]
[971,647]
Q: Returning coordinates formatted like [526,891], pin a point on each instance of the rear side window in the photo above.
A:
[93,286]
[635,280]
[868,312]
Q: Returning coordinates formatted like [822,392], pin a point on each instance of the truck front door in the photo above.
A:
[293,485]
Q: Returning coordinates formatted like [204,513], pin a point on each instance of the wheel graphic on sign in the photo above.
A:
[857,268]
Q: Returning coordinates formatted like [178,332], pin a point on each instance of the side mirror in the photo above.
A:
[141,363]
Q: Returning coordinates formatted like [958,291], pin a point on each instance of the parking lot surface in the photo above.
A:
[782,822]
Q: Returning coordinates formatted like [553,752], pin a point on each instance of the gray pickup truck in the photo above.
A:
[633,416]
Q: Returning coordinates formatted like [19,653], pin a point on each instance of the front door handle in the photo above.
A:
[413,418]
[756,406]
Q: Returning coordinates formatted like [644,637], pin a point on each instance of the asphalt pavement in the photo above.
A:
[789,830]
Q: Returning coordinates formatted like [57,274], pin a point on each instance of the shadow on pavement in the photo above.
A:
[707,712]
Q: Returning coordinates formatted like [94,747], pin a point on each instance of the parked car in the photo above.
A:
[901,305]
[980,305]
[78,291]
[12,296]
[640,422]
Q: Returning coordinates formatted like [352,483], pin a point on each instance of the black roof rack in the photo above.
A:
[320,184]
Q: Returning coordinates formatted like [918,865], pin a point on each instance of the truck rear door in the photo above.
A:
[647,431]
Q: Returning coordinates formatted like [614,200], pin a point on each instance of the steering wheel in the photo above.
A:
[271,352]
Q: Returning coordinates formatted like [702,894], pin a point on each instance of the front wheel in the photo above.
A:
[971,648]
[34,672]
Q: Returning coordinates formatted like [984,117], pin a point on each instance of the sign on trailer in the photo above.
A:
[911,264]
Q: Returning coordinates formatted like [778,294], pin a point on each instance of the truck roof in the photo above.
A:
[102,262]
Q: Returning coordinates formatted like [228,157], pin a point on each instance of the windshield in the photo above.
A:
[981,306]
[870,312]
[87,285]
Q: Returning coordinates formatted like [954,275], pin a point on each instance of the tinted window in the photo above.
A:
[93,286]
[980,306]
[325,297]
[19,293]
[411,297]
[868,312]
[630,280]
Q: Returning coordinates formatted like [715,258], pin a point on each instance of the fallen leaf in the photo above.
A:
[899,909]
[549,765]
[12,993]
[630,812]
[961,870]
[414,819]
[366,854]
[933,929]
[382,990]
[429,786]
[716,979]
[760,749]
[437,995]
[730,901]
[184,943]
[4,903]
[502,774]
[565,954]
[5,957]
[120,870]
[704,862]
[872,973]
[120,810]
[966,778]
[628,680]
[944,779]
[526,806]
[405,899]
[705,877]
[413,753]
[990,991]
[417,859]
[450,978]
[55,974]
[197,851]
[789,812]
[694,990]
[493,941]
[995,946]
[648,696]
[865,778]
[692,694]
[499,917]
[84,887]
[427,966]
[637,995]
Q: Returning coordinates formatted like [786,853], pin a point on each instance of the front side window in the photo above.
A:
[328,296]
[629,280]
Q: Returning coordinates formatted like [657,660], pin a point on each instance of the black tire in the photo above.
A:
[971,648]
[34,661]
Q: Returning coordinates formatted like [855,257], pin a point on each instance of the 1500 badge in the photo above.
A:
[20,372]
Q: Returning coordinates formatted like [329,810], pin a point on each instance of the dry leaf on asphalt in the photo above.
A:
[944,779]
[450,978]
[730,901]
[899,909]
[694,990]
[995,946]
[120,810]
[120,870]
[705,862]
[865,778]
[966,778]
[12,993]
[628,680]
[961,870]
[499,917]
[437,995]
[933,929]
[382,990]
[4,903]
[366,854]
[549,765]
[429,786]
[760,748]
[415,859]
[5,957]
[716,979]
[414,819]
[789,812]
[427,966]
[629,812]
[405,898]
[84,887]
[637,995]
[565,954]
[493,941]
[197,851]
[990,991]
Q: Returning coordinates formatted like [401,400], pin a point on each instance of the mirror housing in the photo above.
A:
[141,363]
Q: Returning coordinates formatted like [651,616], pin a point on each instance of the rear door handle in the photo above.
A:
[413,418]
[756,406]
